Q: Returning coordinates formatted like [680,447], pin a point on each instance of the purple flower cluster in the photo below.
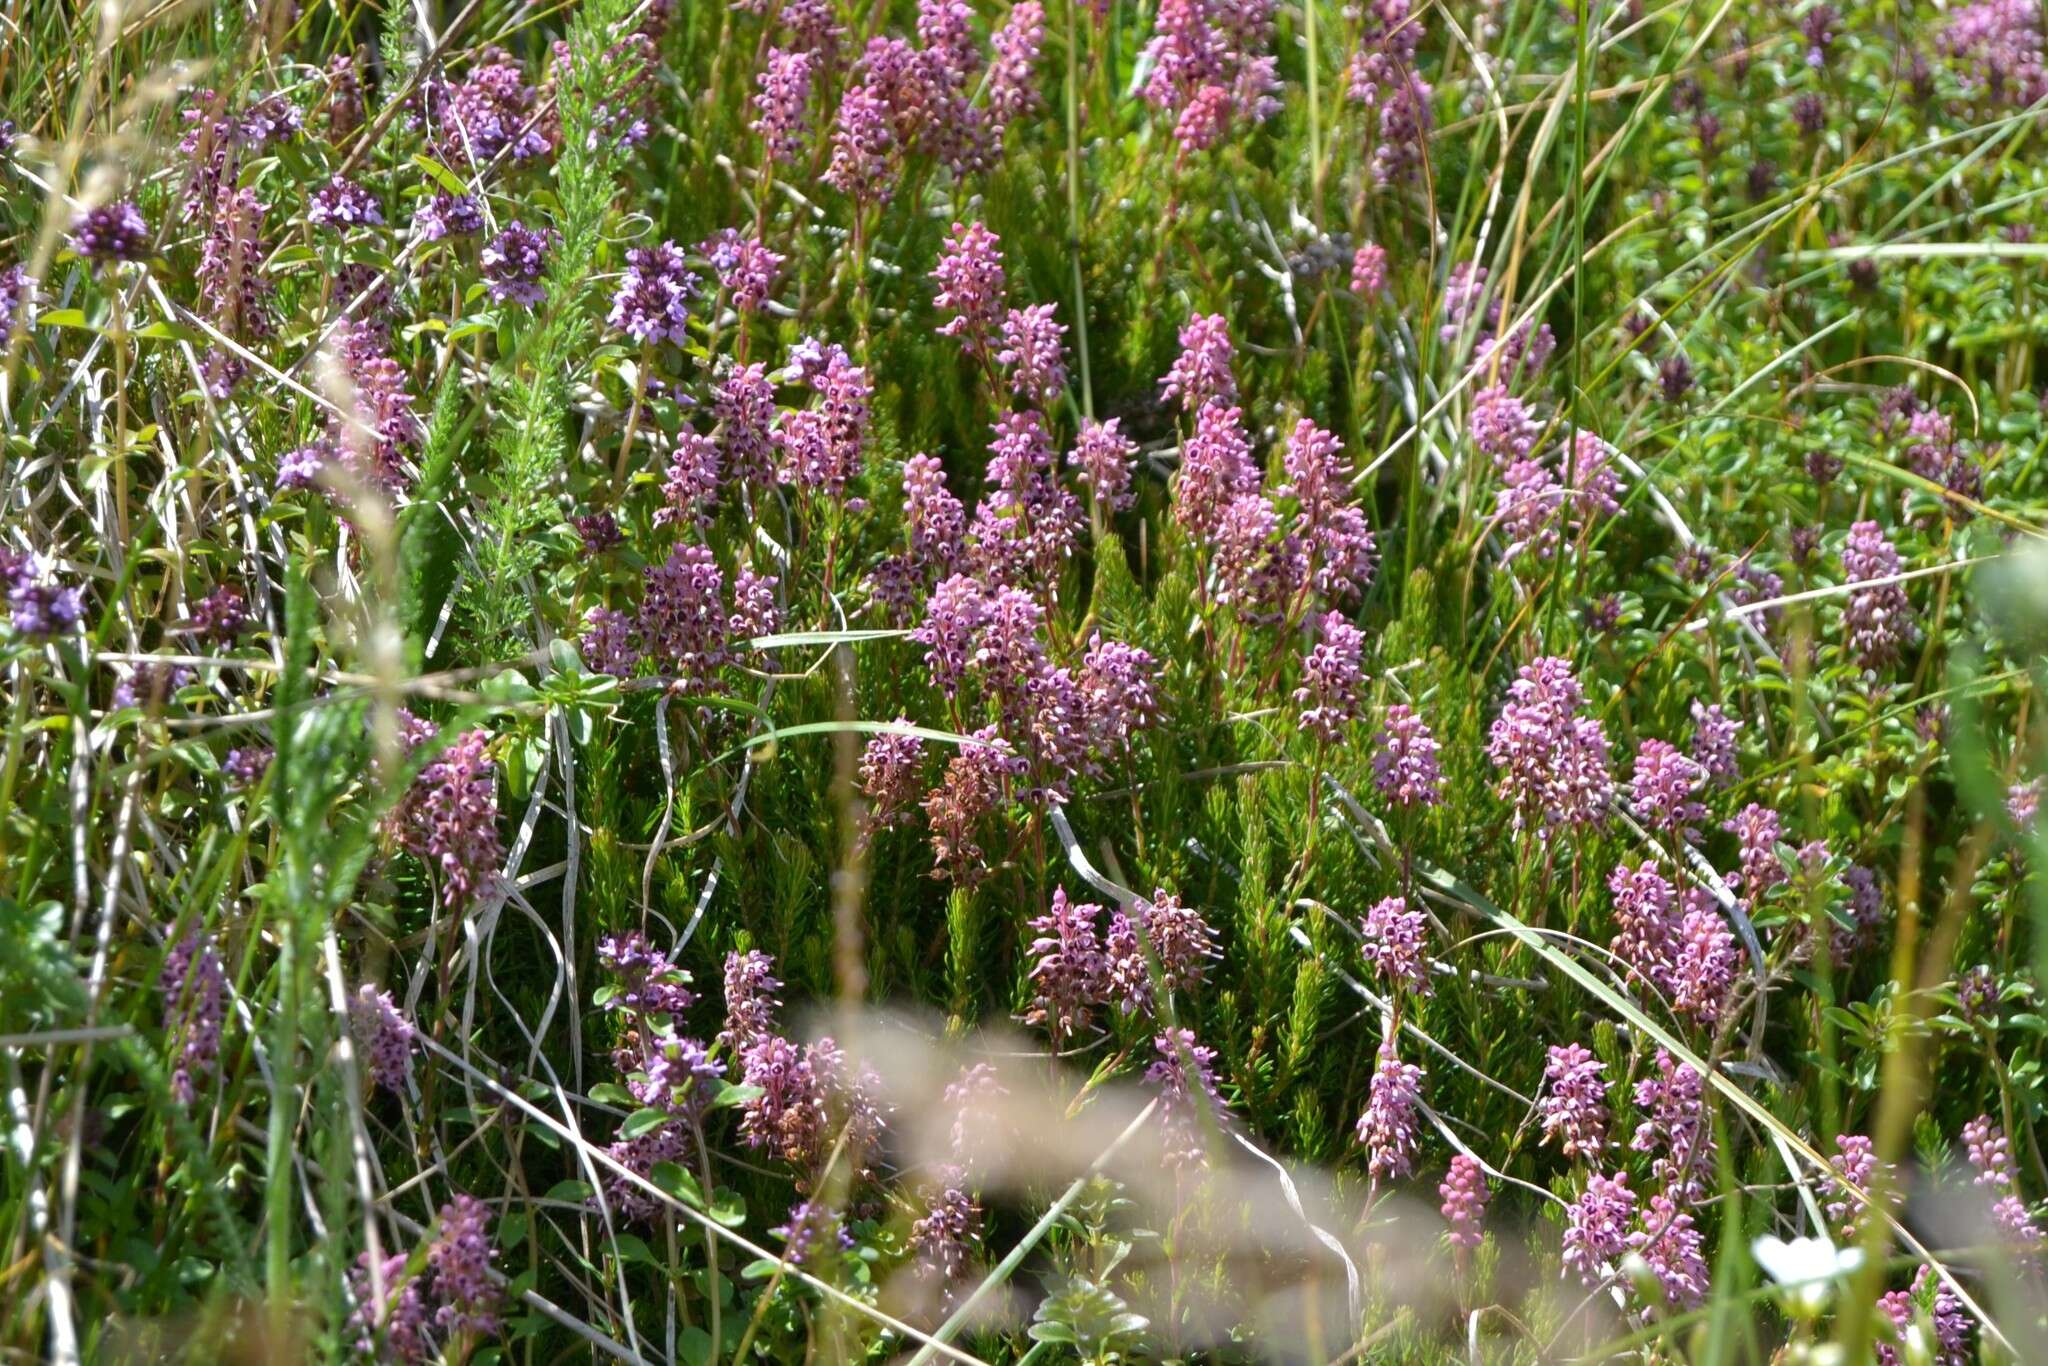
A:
[1031,350]
[743,402]
[822,448]
[1758,832]
[1255,568]
[232,287]
[978,779]
[1573,1103]
[194,984]
[809,1227]
[750,999]
[1069,969]
[942,1238]
[1382,76]
[1464,1196]
[1996,46]
[1024,340]
[403,1319]
[1703,960]
[513,262]
[1527,507]
[1208,66]
[1406,117]
[863,148]
[803,1089]
[676,1075]
[385,1036]
[1596,488]
[891,777]
[922,97]
[1675,1126]
[2023,803]
[1502,426]
[37,604]
[970,279]
[810,25]
[1333,679]
[449,819]
[460,1257]
[18,293]
[1330,529]
[442,215]
[1855,1159]
[1389,1127]
[1059,720]
[151,685]
[1678,945]
[649,983]
[1714,734]
[853,1103]
[684,626]
[1663,788]
[1553,759]
[788,1117]
[220,616]
[780,108]
[953,619]
[1470,308]
[244,766]
[1078,969]
[1977,995]
[1183,944]
[215,140]
[376,430]
[1670,1246]
[1204,120]
[1189,1102]
[1877,618]
[342,204]
[1389,33]
[1944,1313]
[491,115]
[1394,940]
[1201,375]
[1117,694]
[689,492]
[111,232]
[1934,453]
[1990,1153]
[1013,73]
[1404,760]
[747,270]
[1369,270]
[610,643]
[1596,1227]
[652,303]
[1216,471]
[1027,524]
[1105,457]
[979,1125]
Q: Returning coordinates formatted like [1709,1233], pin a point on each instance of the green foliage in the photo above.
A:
[1856,305]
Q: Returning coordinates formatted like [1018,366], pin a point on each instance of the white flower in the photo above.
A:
[1807,1268]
